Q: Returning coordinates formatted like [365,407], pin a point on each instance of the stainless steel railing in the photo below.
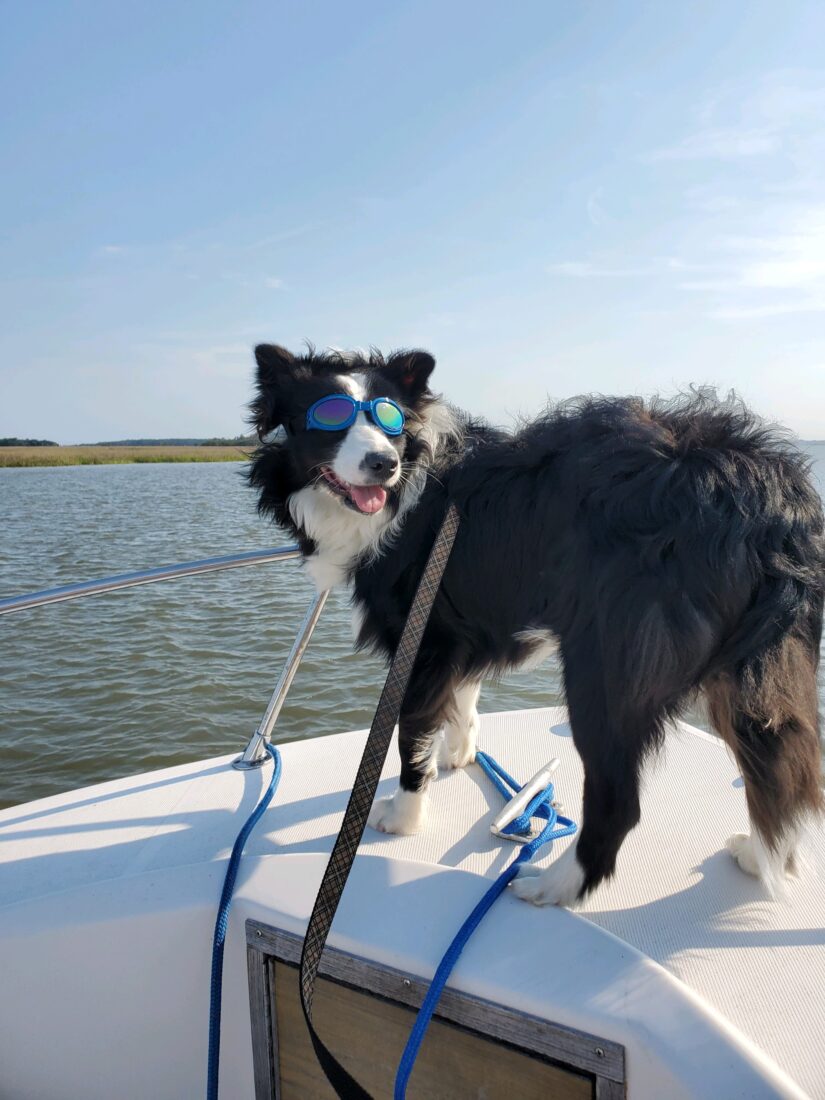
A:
[145,576]
[255,752]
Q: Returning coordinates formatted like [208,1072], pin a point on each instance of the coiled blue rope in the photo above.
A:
[219,937]
[541,806]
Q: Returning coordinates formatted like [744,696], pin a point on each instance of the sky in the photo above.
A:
[552,198]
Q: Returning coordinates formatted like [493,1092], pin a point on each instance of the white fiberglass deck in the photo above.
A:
[107,900]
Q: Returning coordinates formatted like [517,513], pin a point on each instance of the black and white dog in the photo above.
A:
[665,548]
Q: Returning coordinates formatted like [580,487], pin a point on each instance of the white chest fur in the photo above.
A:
[341,535]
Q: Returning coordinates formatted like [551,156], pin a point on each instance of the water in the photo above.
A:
[155,676]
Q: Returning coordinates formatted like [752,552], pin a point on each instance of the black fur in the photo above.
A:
[669,546]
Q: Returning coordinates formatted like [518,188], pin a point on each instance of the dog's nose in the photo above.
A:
[381,463]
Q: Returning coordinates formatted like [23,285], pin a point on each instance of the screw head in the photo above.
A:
[407,982]
[600,1052]
[258,932]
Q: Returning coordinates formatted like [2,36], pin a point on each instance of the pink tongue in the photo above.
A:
[368,498]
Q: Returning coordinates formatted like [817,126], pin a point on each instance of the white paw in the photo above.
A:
[795,865]
[559,884]
[457,748]
[774,866]
[740,847]
[456,751]
[404,813]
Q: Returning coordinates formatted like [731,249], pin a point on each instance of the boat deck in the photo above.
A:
[743,1016]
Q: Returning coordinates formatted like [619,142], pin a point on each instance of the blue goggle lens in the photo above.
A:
[333,412]
[388,416]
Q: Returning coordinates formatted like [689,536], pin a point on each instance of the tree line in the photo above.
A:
[13,441]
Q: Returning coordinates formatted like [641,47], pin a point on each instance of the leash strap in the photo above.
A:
[363,793]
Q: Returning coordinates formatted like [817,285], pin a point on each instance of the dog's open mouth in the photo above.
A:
[366,499]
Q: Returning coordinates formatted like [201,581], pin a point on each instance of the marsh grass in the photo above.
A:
[104,456]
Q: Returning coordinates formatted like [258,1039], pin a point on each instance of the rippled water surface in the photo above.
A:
[149,677]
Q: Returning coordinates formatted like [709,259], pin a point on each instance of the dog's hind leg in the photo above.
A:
[423,713]
[613,736]
[767,713]
[458,747]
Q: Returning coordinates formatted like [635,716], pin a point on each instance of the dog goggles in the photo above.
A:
[339,410]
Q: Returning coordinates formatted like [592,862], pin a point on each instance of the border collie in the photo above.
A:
[663,547]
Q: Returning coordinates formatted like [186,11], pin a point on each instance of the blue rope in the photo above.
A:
[221,923]
[540,806]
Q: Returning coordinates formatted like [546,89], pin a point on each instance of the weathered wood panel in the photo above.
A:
[368,1035]
[576,1049]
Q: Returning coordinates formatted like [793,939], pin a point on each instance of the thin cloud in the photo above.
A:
[722,286]
[770,275]
[790,99]
[595,210]
[720,144]
[284,235]
[777,272]
[253,281]
[782,113]
[776,309]
[583,269]
[199,358]
[792,261]
[707,199]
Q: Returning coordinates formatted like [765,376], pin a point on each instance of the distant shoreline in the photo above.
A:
[107,456]
[100,454]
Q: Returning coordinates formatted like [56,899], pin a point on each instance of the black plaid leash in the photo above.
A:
[363,793]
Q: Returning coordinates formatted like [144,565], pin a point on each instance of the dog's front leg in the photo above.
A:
[405,812]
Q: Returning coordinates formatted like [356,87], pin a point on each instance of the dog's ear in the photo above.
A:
[411,370]
[275,369]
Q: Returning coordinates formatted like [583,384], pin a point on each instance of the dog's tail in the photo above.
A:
[763,701]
